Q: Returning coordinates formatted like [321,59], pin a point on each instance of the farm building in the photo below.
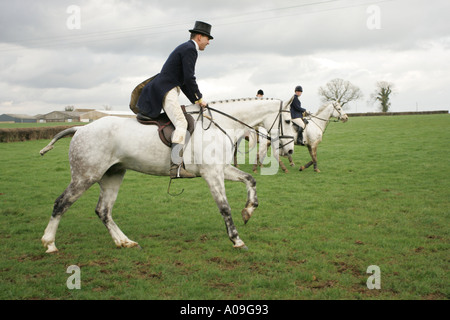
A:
[97,114]
[83,110]
[59,116]
[17,118]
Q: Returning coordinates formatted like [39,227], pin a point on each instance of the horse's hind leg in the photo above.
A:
[216,184]
[234,174]
[109,188]
[62,204]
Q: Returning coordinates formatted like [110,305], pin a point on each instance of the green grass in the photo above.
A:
[382,199]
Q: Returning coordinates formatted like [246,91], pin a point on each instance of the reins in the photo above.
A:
[263,135]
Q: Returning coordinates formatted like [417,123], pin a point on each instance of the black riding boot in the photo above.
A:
[177,169]
[300,136]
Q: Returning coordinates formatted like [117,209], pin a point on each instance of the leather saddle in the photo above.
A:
[165,126]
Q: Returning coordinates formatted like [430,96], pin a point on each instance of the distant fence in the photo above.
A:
[371,114]
[33,133]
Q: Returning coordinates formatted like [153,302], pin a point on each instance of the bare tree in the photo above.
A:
[341,91]
[69,108]
[382,95]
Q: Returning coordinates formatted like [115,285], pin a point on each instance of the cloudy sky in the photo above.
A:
[91,54]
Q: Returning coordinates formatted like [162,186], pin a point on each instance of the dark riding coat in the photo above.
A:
[296,108]
[178,71]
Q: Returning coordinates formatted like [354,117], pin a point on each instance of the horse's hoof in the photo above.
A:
[246,215]
[316,170]
[241,245]
[52,250]
[50,245]
[128,244]
[301,168]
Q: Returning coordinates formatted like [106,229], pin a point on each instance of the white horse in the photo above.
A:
[102,151]
[312,135]
[317,124]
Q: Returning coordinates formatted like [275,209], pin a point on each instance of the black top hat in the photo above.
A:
[202,28]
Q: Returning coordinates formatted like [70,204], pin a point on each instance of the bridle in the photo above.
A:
[281,128]
[326,120]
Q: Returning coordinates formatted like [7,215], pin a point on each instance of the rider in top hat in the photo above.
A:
[297,114]
[177,74]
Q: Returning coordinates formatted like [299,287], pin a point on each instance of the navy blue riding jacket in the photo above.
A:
[296,108]
[177,71]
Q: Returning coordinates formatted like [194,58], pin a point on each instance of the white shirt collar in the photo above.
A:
[196,45]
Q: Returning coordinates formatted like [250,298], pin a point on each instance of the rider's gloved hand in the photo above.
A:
[202,103]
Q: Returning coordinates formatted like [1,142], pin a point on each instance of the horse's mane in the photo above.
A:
[323,107]
[241,99]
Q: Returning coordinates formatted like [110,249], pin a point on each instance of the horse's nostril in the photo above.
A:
[290,152]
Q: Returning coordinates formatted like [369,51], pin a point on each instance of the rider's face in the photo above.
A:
[202,41]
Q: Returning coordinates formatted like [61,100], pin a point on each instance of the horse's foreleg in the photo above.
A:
[262,152]
[313,152]
[291,161]
[235,154]
[256,164]
[283,167]
[260,156]
[109,188]
[233,174]
[62,204]
[216,185]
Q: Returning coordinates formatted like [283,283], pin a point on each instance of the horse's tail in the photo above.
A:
[57,137]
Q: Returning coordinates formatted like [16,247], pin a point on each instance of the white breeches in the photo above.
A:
[173,110]
[299,122]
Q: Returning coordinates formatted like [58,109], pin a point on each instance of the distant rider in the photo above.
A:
[297,114]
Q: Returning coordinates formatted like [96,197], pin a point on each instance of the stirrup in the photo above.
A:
[180,172]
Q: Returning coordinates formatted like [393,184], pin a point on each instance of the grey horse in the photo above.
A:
[102,151]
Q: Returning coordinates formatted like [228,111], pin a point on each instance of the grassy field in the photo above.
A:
[382,198]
